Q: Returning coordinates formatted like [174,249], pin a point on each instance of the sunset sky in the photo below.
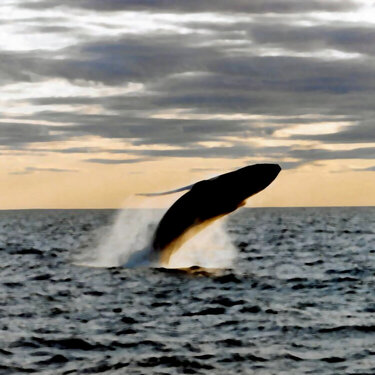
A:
[102,99]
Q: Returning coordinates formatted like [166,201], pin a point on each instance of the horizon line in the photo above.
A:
[157,208]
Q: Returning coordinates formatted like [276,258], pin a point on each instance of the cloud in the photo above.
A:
[149,59]
[199,170]
[29,170]
[234,151]
[144,131]
[322,154]
[171,6]
[348,38]
[52,29]
[230,82]
[18,134]
[13,68]
[112,62]
[291,164]
[276,85]
[354,169]
[370,169]
[116,161]
[361,132]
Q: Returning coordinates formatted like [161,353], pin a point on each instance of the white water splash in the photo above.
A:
[127,242]
[210,248]
[130,232]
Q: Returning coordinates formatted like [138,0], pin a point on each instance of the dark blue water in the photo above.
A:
[299,299]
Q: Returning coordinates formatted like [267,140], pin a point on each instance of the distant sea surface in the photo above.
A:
[299,298]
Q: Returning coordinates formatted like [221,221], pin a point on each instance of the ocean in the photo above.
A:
[286,291]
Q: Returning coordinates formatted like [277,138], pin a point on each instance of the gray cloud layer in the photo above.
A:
[215,67]
[347,38]
[217,6]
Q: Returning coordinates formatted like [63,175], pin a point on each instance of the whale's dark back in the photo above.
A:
[210,199]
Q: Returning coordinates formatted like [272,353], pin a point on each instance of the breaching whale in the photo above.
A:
[205,202]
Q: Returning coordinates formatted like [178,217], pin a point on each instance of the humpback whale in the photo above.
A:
[205,202]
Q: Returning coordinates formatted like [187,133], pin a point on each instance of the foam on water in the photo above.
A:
[128,242]
[210,248]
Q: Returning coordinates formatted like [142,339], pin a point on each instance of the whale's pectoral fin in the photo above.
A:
[188,187]
[166,192]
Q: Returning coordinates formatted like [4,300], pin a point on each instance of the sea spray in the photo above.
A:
[130,232]
[127,241]
[210,248]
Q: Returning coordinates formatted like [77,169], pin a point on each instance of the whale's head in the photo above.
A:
[245,182]
[255,178]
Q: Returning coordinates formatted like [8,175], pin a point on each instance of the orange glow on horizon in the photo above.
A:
[109,186]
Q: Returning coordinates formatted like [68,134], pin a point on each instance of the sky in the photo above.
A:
[101,100]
